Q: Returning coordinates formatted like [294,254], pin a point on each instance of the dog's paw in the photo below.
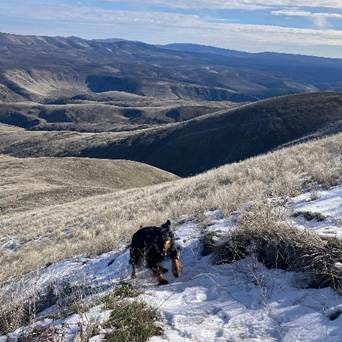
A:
[163,282]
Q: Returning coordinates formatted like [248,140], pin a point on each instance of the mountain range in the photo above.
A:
[39,67]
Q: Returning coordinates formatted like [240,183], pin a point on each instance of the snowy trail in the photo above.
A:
[243,301]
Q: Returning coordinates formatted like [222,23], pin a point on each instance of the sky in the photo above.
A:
[310,27]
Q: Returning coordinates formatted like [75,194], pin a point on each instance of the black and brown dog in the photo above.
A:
[152,245]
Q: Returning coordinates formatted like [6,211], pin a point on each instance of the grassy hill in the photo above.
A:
[195,145]
[226,137]
[33,183]
[31,238]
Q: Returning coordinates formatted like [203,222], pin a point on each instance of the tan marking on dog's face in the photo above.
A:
[176,266]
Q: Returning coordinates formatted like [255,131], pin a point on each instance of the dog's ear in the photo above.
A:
[167,224]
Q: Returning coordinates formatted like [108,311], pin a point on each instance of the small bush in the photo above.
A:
[262,232]
[130,321]
[13,315]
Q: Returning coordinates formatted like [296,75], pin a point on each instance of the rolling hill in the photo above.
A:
[115,112]
[198,144]
[33,183]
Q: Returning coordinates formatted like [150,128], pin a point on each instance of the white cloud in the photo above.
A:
[319,19]
[168,21]
[166,27]
[237,4]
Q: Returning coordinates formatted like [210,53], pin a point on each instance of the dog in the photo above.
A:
[152,245]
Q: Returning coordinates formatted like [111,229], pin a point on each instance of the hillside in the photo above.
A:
[226,137]
[281,173]
[231,301]
[37,68]
[114,111]
[33,183]
[195,145]
[255,198]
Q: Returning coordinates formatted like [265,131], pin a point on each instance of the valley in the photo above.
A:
[197,144]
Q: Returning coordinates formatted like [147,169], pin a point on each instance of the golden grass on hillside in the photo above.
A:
[101,223]
[31,183]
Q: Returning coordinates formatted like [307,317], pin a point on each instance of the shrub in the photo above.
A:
[130,321]
[262,231]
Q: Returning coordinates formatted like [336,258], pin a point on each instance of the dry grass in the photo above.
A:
[31,183]
[100,223]
[264,231]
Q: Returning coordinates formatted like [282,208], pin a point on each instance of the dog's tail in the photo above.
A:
[110,262]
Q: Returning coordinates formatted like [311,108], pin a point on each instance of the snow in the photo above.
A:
[243,301]
[326,202]
[246,302]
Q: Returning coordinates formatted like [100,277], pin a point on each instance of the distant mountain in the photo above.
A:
[205,49]
[36,68]
[195,145]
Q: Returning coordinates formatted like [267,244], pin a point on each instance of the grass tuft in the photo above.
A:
[130,321]
[263,232]
[126,290]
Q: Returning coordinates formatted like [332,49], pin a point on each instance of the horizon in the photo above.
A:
[172,43]
[309,28]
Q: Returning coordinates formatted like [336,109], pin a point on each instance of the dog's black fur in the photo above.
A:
[153,244]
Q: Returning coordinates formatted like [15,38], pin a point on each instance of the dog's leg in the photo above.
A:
[135,260]
[134,271]
[176,266]
[158,273]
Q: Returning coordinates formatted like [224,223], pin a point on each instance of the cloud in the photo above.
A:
[164,21]
[238,4]
[321,20]
[165,27]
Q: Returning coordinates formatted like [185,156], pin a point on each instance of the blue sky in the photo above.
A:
[311,27]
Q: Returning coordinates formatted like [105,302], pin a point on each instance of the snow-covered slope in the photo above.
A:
[243,301]
[326,205]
